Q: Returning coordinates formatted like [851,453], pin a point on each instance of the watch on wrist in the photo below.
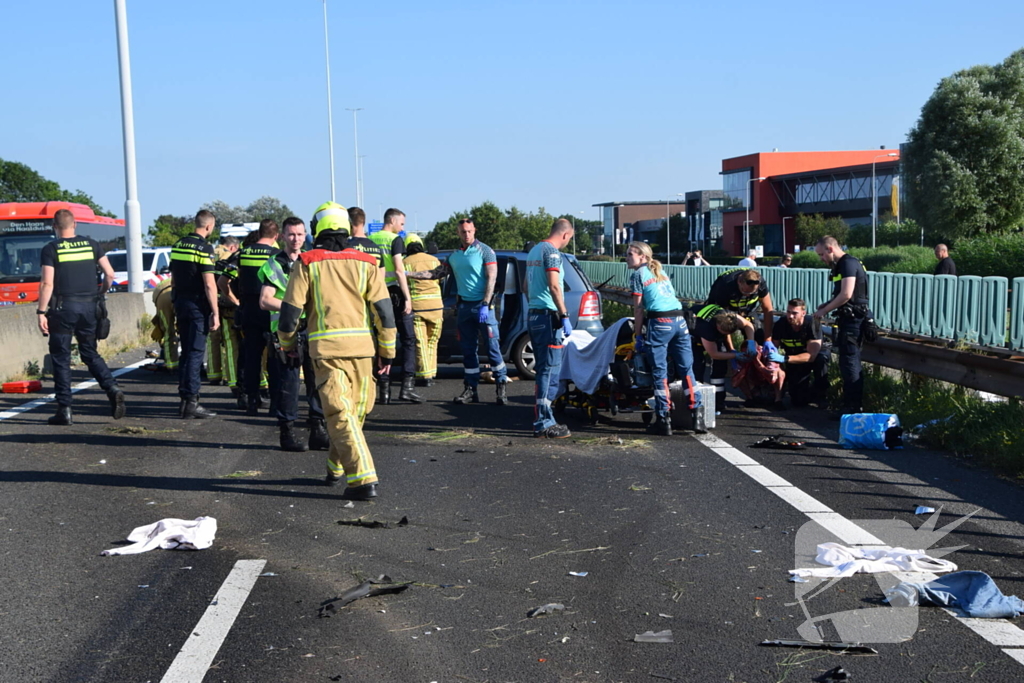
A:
[38,312]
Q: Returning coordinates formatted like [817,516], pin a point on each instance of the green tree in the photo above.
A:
[964,158]
[809,228]
[168,229]
[498,229]
[20,183]
[254,212]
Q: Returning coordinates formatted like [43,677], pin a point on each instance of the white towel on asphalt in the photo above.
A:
[585,359]
[841,561]
[170,534]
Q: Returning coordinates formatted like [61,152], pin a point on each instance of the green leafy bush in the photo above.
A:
[879,260]
[986,255]
[595,257]
[887,233]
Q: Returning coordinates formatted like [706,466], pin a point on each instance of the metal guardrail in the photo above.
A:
[972,310]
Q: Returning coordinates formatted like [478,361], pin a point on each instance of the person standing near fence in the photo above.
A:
[849,305]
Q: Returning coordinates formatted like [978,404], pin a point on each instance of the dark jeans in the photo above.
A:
[670,338]
[548,346]
[316,411]
[470,328]
[193,327]
[75,319]
[405,350]
[257,339]
[849,337]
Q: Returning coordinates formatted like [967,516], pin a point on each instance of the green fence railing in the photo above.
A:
[987,311]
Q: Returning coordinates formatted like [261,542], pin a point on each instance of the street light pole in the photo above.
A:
[784,234]
[746,223]
[330,117]
[355,134]
[132,211]
[874,196]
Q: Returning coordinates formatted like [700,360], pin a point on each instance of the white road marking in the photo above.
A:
[196,656]
[998,632]
[81,386]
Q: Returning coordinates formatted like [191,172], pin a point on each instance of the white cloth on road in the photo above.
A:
[170,534]
[585,359]
[841,561]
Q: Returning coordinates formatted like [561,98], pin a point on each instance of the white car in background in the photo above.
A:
[156,262]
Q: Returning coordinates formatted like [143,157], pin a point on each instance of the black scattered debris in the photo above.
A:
[549,608]
[663,677]
[375,524]
[464,450]
[832,646]
[778,442]
[433,460]
[652,637]
[836,674]
[382,585]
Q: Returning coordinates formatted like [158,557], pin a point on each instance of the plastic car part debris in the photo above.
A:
[268,574]
[923,510]
[652,637]
[349,505]
[797,579]
[776,441]
[836,674]
[833,646]
[549,608]
[580,574]
[372,525]
[367,589]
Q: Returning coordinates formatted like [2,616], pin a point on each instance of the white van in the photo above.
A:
[156,262]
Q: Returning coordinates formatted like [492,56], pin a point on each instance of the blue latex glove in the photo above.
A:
[566,327]
[750,348]
[769,347]
[776,357]
[638,344]
[483,317]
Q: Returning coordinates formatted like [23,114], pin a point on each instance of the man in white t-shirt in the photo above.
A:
[751,260]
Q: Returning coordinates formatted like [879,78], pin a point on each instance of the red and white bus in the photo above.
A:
[26,227]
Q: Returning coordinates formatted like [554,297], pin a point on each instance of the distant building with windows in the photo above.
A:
[781,185]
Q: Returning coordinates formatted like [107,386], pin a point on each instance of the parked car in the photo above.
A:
[582,300]
[156,263]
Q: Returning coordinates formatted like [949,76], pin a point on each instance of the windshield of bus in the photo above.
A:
[119,261]
[22,241]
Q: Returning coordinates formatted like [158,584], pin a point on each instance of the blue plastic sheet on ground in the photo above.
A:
[877,431]
[973,593]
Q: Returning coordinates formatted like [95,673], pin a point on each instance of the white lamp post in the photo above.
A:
[746,223]
[132,210]
[784,218]
[874,196]
[330,118]
[668,229]
[355,135]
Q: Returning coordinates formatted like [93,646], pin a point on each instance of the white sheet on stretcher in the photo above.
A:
[585,359]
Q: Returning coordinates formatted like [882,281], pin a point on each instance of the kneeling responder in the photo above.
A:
[335,287]
[714,328]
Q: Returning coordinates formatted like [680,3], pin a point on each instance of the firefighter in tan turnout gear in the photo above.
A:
[340,290]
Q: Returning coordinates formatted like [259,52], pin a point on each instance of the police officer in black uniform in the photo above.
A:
[849,305]
[195,307]
[255,321]
[70,304]
[713,327]
[799,337]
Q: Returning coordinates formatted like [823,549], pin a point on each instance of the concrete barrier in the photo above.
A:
[22,344]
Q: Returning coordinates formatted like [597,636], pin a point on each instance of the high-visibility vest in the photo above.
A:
[384,238]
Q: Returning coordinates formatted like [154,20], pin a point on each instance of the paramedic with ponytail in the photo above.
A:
[661,332]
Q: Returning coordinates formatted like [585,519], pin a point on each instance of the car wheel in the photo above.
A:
[522,356]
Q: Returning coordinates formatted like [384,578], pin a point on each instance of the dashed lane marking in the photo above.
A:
[998,632]
[196,656]
[81,386]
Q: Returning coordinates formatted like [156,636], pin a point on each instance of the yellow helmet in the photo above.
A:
[413,238]
[330,216]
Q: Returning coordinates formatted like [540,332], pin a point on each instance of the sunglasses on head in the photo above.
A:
[464,221]
[752,282]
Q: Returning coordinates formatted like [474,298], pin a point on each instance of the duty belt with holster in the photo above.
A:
[849,310]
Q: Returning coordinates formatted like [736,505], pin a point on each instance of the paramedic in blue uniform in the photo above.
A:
[549,324]
[195,308]
[69,305]
[661,332]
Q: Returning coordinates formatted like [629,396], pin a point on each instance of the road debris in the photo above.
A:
[923,510]
[832,646]
[777,441]
[652,637]
[382,585]
[836,674]
[375,524]
[242,474]
[580,574]
[170,534]
[549,608]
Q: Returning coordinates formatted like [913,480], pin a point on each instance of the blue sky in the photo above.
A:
[550,104]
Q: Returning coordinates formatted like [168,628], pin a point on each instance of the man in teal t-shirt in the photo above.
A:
[548,323]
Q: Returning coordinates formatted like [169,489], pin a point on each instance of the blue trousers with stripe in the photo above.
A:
[669,339]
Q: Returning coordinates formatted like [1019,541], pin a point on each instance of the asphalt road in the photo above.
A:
[671,533]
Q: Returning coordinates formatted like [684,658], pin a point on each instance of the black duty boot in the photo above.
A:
[425,382]
[384,391]
[252,405]
[364,492]
[502,396]
[63,416]
[192,410]
[697,421]
[289,440]
[264,397]
[661,426]
[469,395]
[318,437]
[408,392]
[116,398]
